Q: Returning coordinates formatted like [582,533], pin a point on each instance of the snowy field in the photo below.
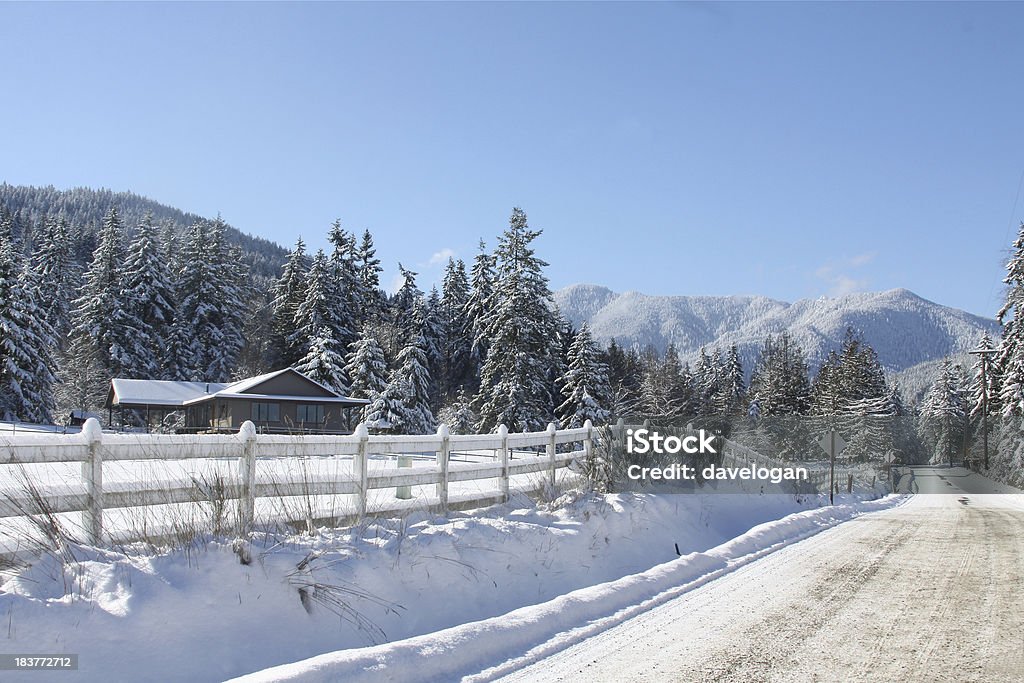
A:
[472,588]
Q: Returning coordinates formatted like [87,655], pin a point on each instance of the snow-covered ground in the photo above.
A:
[473,588]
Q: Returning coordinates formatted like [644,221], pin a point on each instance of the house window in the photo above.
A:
[266,412]
[309,413]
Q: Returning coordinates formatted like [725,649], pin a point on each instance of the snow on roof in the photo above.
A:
[170,393]
[241,385]
[157,392]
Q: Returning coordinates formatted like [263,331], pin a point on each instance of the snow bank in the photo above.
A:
[498,644]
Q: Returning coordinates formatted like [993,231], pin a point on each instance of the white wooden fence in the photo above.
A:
[93,449]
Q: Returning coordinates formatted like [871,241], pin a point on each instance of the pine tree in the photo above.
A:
[211,292]
[27,342]
[414,374]
[369,275]
[321,309]
[779,383]
[99,310]
[522,332]
[733,394]
[458,414]
[847,378]
[942,413]
[403,407]
[625,372]
[367,368]
[386,412]
[984,387]
[1009,363]
[322,362]
[456,340]
[479,306]
[288,294]
[147,305]
[584,384]
[346,286]
[58,273]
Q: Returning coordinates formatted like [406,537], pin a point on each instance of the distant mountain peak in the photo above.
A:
[904,328]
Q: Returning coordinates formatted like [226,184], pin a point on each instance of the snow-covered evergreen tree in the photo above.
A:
[322,362]
[367,368]
[58,274]
[584,384]
[413,373]
[732,395]
[479,306]
[369,275]
[99,314]
[387,412]
[27,342]
[211,304]
[984,386]
[288,294]
[779,382]
[458,414]
[942,414]
[321,308]
[1010,359]
[456,336]
[522,332]
[147,305]
[346,286]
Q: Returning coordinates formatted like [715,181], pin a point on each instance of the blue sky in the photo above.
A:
[784,149]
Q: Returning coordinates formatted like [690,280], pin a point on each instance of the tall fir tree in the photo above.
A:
[585,384]
[346,285]
[522,332]
[1009,363]
[984,386]
[322,308]
[456,340]
[288,294]
[211,292]
[99,314]
[779,383]
[147,307]
[942,414]
[57,271]
[322,362]
[367,368]
[27,343]
[479,306]
[369,275]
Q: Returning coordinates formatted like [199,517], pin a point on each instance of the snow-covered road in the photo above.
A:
[930,590]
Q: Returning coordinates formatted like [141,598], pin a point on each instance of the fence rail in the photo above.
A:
[94,449]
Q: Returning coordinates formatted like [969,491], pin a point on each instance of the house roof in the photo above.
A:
[153,392]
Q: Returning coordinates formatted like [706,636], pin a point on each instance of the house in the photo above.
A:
[285,401]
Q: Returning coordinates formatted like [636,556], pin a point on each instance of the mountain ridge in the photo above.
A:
[904,328]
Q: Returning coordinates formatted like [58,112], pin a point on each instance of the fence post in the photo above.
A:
[442,465]
[503,433]
[849,483]
[359,467]
[92,474]
[588,441]
[552,430]
[620,427]
[247,473]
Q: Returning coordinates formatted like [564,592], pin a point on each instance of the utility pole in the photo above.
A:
[984,355]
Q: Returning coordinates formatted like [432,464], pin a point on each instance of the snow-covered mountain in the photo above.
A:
[903,328]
